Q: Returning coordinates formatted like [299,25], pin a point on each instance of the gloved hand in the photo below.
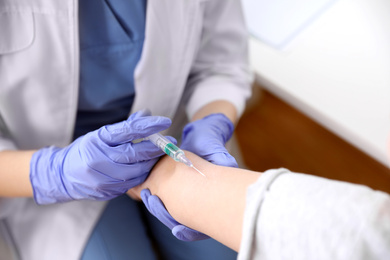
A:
[207,138]
[100,165]
[157,209]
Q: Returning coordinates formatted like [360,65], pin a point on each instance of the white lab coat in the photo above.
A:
[195,52]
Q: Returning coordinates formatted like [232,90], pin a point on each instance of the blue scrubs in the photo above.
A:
[112,33]
[127,231]
[111,39]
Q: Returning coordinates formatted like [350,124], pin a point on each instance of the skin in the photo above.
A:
[15,174]
[213,205]
[15,165]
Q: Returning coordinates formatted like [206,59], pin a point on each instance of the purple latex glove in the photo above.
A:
[207,138]
[100,165]
[157,209]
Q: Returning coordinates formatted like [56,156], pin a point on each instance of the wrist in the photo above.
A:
[45,176]
[15,173]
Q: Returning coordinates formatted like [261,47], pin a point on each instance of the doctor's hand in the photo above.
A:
[100,165]
[207,138]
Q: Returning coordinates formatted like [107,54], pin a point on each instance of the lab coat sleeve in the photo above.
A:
[6,205]
[298,216]
[5,144]
[220,70]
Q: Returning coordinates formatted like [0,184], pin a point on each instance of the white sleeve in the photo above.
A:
[5,144]
[221,69]
[298,216]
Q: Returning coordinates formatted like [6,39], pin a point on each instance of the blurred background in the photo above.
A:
[321,102]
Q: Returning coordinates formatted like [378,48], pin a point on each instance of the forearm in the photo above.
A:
[14,174]
[213,205]
[219,106]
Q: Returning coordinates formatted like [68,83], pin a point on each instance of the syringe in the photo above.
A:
[171,150]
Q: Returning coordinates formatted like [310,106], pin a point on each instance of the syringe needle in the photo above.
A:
[170,149]
[198,170]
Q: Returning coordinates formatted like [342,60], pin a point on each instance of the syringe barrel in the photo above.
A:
[167,146]
[158,140]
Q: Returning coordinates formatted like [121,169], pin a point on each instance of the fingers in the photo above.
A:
[118,186]
[188,234]
[213,152]
[129,160]
[138,125]
[223,159]
[180,233]
[136,172]
[129,153]
[157,209]
[207,138]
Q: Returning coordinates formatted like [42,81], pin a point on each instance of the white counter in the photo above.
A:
[337,71]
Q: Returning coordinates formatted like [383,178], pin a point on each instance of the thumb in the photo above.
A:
[222,158]
[156,207]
